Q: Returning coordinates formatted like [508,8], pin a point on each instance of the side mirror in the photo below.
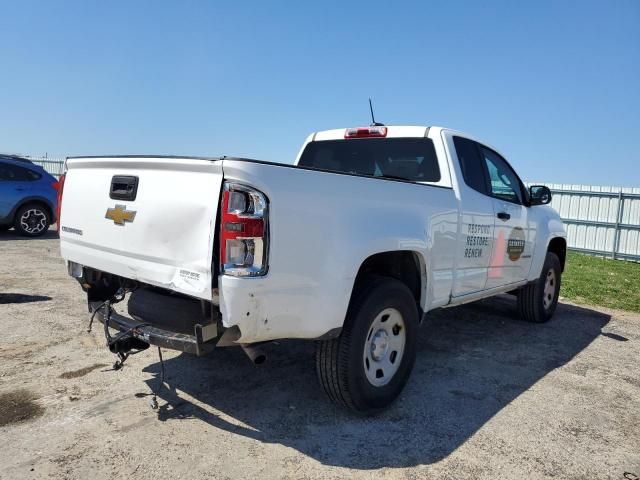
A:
[539,195]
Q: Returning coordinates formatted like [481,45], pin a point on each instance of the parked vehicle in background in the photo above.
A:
[28,196]
[352,246]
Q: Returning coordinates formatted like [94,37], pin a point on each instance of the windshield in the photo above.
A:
[411,159]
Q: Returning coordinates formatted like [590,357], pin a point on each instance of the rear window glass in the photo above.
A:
[411,159]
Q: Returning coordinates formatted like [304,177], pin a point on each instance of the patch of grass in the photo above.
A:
[600,281]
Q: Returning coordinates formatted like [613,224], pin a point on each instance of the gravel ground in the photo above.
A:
[490,397]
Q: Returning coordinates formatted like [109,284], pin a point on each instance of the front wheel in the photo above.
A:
[367,366]
[537,301]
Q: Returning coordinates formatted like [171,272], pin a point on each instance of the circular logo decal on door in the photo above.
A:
[515,244]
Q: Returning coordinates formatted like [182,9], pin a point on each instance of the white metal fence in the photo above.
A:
[601,221]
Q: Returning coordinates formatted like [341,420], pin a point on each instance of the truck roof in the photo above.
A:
[392,131]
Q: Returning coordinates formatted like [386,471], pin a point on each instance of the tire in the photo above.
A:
[32,220]
[349,366]
[4,228]
[537,302]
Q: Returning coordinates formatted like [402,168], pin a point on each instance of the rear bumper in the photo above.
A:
[193,344]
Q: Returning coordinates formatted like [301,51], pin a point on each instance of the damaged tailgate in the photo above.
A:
[151,219]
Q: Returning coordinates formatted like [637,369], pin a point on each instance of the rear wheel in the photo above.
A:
[4,228]
[366,368]
[32,220]
[537,302]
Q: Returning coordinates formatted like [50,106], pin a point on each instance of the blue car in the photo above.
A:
[28,196]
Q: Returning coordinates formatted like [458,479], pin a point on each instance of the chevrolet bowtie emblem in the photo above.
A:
[120,214]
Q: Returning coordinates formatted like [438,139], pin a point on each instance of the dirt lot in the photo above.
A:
[490,397]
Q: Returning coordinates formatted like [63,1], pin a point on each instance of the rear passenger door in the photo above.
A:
[475,242]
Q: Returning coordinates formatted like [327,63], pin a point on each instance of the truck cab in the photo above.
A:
[497,222]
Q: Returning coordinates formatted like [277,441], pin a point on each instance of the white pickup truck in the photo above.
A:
[372,228]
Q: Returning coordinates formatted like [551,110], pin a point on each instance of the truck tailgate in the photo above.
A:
[163,237]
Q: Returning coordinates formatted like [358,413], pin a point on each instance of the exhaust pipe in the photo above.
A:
[255,353]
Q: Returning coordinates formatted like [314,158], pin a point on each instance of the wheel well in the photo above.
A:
[402,265]
[558,246]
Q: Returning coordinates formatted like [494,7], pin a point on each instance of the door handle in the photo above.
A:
[123,187]
[503,216]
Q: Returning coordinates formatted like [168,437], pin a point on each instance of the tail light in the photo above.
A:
[59,186]
[244,233]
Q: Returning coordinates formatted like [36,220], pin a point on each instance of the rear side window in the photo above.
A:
[13,173]
[411,159]
[471,164]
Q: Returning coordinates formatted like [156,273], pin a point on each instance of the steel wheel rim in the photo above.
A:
[384,347]
[549,289]
[33,221]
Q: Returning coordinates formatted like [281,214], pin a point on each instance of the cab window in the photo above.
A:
[503,182]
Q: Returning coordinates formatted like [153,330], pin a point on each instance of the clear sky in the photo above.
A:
[554,85]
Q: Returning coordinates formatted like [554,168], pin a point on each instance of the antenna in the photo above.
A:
[373,120]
